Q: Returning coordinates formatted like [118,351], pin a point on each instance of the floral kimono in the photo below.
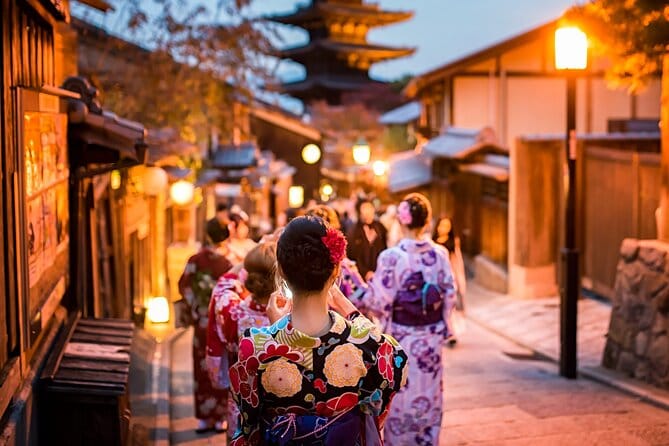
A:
[412,294]
[196,284]
[231,312]
[284,377]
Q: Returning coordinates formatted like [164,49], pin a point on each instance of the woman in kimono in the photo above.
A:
[237,304]
[315,376]
[444,235]
[412,293]
[195,285]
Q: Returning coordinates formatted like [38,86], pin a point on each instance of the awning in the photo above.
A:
[409,170]
[103,137]
[236,157]
[457,143]
[401,115]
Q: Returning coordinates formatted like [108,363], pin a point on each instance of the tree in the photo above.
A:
[634,35]
[201,59]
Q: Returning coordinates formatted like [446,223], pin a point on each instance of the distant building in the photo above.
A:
[338,57]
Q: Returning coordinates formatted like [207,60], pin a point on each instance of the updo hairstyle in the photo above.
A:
[260,264]
[420,209]
[303,257]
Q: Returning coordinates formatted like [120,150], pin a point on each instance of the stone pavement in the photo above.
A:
[534,324]
[497,393]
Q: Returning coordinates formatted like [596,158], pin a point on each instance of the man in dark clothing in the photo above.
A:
[218,226]
[366,239]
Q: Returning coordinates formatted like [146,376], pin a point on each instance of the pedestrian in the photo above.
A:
[219,224]
[350,281]
[195,285]
[238,302]
[389,221]
[444,235]
[366,239]
[239,244]
[316,376]
[412,293]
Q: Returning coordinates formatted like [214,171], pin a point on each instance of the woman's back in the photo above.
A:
[284,371]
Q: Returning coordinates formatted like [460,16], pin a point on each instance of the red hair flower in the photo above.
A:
[335,242]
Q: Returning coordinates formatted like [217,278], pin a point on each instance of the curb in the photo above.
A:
[645,393]
[161,377]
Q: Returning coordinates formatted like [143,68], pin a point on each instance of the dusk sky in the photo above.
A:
[441,30]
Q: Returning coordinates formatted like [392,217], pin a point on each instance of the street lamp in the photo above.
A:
[571,57]
[311,153]
[361,152]
[380,168]
[182,192]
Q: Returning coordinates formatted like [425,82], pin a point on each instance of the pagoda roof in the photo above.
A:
[373,53]
[324,81]
[369,14]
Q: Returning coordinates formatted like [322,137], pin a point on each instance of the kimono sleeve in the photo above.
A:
[244,382]
[384,378]
[378,299]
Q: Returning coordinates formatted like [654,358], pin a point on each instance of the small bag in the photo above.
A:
[183,316]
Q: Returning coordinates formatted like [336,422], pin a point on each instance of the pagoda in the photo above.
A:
[338,57]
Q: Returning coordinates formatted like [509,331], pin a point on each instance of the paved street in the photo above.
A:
[496,394]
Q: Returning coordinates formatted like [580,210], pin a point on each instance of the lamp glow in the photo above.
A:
[115,180]
[380,168]
[327,189]
[571,49]
[158,310]
[295,196]
[361,152]
[182,192]
[311,153]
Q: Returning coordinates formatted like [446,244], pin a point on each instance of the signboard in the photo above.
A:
[45,185]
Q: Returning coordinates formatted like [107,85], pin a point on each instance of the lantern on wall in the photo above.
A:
[155,180]
[361,152]
[311,153]
[380,168]
[115,180]
[182,192]
[295,196]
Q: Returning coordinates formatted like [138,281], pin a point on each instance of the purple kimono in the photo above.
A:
[412,294]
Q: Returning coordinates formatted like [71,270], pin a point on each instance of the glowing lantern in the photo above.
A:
[311,153]
[158,310]
[182,192]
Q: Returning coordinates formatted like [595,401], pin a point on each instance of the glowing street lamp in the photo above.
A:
[571,57]
[311,153]
[158,310]
[361,152]
[380,168]
[182,192]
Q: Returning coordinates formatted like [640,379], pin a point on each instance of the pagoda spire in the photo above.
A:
[338,56]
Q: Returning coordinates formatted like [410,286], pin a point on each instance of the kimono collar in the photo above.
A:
[296,338]
[413,246]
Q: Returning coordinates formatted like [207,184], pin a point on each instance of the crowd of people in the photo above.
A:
[327,331]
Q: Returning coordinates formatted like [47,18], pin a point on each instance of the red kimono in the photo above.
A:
[195,285]
[231,312]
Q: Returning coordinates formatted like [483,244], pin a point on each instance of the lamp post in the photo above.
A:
[571,57]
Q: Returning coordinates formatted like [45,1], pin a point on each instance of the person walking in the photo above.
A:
[315,376]
[219,224]
[444,235]
[239,243]
[195,285]
[238,302]
[412,293]
[366,239]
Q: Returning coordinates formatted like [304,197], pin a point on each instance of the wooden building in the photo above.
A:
[489,88]
[338,56]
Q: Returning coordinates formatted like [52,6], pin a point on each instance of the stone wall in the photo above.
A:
[638,338]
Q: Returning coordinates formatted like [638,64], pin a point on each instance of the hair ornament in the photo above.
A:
[335,242]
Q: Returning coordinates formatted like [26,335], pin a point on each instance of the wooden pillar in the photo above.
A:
[663,212]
